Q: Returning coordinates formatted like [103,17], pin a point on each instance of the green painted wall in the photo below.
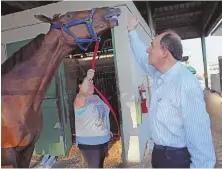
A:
[55,139]
[15,46]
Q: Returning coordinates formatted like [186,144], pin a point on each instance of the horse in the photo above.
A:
[26,76]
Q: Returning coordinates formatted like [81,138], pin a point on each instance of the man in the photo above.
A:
[179,124]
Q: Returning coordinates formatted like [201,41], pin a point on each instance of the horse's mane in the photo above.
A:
[23,54]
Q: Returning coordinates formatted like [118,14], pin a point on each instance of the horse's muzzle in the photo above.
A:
[112,15]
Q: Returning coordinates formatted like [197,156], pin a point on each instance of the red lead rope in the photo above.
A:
[100,94]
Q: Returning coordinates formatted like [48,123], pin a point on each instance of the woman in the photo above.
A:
[92,123]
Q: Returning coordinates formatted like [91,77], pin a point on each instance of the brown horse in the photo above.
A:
[26,76]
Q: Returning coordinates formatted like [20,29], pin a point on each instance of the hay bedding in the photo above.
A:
[76,160]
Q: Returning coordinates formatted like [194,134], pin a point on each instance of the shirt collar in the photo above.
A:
[171,72]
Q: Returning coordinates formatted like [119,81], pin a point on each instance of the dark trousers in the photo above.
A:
[94,154]
[170,157]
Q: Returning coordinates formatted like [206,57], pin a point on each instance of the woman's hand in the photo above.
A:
[90,74]
[80,100]
[87,82]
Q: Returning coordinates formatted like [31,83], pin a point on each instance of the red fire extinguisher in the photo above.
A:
[143,98]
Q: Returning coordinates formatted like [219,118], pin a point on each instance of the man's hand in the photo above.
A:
[90,74]
[133,22]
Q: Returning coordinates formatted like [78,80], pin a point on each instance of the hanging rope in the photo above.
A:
[100,94]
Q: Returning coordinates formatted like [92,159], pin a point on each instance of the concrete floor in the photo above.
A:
[214,107]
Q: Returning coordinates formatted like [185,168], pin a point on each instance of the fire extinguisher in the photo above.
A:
[143,98]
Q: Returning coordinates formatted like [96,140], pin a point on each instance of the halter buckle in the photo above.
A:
[88,20]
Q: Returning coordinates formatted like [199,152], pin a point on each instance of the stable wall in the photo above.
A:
[23,26]
[130,76]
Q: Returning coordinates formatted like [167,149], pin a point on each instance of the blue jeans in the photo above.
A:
[170,157]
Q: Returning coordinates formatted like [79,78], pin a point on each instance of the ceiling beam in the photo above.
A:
[215,19]
[182,20]
[24,4]
[217,31]
[185,32]
[7,9]
[159,4]
[177,12]
[207,13]
[178,19]
[173,26]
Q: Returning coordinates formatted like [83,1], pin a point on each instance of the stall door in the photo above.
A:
[55,138]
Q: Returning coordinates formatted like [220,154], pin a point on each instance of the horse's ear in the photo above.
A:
[43,18]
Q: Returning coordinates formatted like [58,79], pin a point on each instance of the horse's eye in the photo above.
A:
[69,15]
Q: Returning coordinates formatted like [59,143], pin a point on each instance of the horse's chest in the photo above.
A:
[20,127]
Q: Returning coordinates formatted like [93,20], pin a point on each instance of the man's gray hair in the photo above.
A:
[172,42]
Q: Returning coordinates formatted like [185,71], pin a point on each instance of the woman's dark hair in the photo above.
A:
[79,81]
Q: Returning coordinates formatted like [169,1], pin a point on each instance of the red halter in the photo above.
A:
[100,94]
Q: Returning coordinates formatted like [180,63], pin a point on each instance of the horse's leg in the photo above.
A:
[25,156]
[8,158]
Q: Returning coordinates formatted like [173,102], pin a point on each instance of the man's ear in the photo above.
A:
[43,18]
[165,52]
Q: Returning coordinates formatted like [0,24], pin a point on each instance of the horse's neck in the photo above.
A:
[32,77]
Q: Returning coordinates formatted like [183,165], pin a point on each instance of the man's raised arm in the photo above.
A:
[139,48]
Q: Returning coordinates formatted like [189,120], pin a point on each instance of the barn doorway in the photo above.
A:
[77,64]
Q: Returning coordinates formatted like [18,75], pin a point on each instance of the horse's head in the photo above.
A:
[83,26]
